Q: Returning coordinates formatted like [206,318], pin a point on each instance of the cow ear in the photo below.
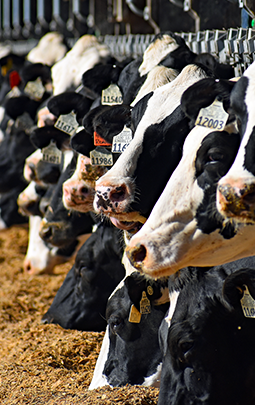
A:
[41,137]
[234,286]
[16,106]
[99,78]
[111,122]
[88,119]
[203,93]
[34,70]
[82,142]
[136,284]
[64,103]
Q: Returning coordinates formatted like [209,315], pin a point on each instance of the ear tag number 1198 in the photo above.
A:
[214,116]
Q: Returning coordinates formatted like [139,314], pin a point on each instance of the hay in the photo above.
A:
[45,364]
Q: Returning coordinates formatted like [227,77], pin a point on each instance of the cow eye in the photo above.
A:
[115,323]
[186,346]
[215,156]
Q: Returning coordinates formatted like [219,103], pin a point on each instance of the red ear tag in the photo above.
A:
[99,141]
[14,79]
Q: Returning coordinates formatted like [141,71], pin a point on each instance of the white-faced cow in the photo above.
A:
[130,352]
[235,194]
[184,227]
[129,190]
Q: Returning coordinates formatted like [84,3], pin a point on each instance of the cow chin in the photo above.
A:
[132,226]
[79,204]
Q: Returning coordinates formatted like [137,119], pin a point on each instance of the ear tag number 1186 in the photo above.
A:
[121,141]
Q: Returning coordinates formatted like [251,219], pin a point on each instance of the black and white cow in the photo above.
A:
[235,194]
[81,300]
[60,227]
[125,192]
[184,227]
[130,352]
[207,345]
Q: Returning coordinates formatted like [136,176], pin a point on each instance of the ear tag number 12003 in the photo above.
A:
[214,116]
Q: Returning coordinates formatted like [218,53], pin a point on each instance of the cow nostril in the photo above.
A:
[136,255]
[84,190]
[32,169]
[118,194]
[249,198]
[46,232]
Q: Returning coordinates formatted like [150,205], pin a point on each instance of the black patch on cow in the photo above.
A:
[65,226]
[130,81]
[139,109]
[111,122]
[41,137]
[249,161]
[238,106]
[134,351]
[14,149]
[209,355]
[100,77]
[162,151]
[203,93]
[80,302]
[214,158]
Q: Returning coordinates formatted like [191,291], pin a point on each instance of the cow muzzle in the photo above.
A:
[111,199]
[237,201]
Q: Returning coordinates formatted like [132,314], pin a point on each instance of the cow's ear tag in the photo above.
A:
[51,153]
[67,123]
[14,92]
[149,290]
[134,315]
[214,116]
[145,305]
[122,140]
[99,141]
[111,96]
[101,156]
[25,123]
[5,69]
[248,304]
[35,89]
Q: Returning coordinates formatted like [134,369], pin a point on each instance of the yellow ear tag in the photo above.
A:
[5,69]
[51,153]
[214,116]
[145,305]
[248,304]
[134,315]
[112,95]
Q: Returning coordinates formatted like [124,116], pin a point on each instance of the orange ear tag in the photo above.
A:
[99,141]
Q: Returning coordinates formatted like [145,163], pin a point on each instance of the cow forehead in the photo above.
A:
[157,51]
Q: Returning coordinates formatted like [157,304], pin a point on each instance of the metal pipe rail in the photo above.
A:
[235,46]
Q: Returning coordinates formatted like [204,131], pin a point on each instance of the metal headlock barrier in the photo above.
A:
[23,22]
[233,46]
